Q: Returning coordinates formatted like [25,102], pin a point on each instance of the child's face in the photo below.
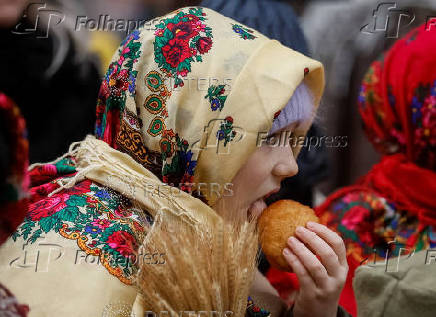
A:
[259,177]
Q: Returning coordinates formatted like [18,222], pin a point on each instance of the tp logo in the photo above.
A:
[388,19]
[215,142]
[42,19]
[38,258]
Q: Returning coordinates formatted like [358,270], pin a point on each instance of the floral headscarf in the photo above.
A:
[188,98]
[13,187]
[398,99]
[398,107]
[14,183]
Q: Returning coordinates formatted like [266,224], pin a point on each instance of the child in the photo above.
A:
[182,106]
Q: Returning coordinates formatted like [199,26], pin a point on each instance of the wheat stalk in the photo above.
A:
[207,268]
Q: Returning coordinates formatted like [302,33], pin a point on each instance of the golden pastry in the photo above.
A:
[276,224]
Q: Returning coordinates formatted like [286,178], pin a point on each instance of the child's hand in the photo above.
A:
[321,282]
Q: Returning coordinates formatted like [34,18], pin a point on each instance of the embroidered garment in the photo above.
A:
[393,207]
[180,107]
[13,187]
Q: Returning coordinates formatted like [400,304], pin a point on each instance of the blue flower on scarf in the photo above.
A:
[221,135]
[215,104]
[188,162]
[102,194]
[132,36]
[361,97]
[132,83]
[92,230]
[416,110]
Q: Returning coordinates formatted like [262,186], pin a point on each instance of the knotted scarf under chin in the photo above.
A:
[411,187]
[406,184]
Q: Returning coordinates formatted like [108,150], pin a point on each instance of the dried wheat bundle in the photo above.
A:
[209,268]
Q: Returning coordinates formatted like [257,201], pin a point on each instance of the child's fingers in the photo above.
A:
[321,248]
[304,277]
[310,261]
[332,238]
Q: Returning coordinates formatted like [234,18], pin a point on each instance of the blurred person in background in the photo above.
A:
[49,74]
[392,209]
[347,36]
[14,184]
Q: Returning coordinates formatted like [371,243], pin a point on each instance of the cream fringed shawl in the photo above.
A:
[97,161]
[210,263]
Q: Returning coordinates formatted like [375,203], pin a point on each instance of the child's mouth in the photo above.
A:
[256,208]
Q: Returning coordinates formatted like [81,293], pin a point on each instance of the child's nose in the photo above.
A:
[285,165]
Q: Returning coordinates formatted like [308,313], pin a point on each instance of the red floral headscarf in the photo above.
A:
[398,99]
[398,106]
[13,188]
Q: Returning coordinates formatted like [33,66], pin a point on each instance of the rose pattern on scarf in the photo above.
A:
[86,212]
[216,97]
[120,78]
[179,40]
[15,180]
[123,242]
[244,33]
[368,224]
[204,44]
[175,52]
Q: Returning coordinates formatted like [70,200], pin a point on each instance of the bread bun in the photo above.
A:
[276,224]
